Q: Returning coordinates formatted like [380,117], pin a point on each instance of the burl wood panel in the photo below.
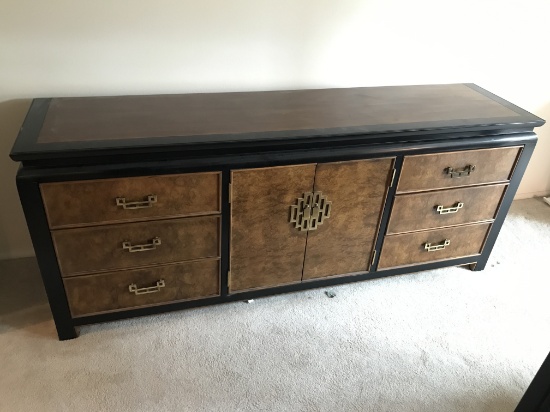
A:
[344,242]
[134,117]
[425,172]
[94,201]
[266,250]
[91,294]
[93,249]
[408,249]
[418,211]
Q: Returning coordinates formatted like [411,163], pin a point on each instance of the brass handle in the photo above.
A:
[126,245]
[138,204]
[440,246]
[142,291]
[310,211]
[446,210]
[459,173]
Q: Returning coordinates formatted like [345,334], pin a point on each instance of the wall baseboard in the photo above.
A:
[529,195]
[16,255]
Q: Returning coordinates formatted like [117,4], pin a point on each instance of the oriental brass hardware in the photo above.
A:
[142,291]
[441,246]
[126,245]
[139,204]
[447,210]
[310,211]
[459,173]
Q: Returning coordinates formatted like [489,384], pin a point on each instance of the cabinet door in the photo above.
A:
[345,241]
[266,249]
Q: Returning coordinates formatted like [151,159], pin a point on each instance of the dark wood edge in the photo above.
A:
[506,103]
[269,159]
[35,215]
[27,148]
[225,233]
[521,165]
[166,148]
[537,396]
[390,198]
[28,134]
[313,284]
[382,218]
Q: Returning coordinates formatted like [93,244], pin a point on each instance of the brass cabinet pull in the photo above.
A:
[459,173]
[139,204]
[126,245]
[446,210]
[310,211]
[142,291]
[440,246]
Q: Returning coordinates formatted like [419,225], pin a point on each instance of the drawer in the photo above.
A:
[411,248]
[142,287]
[445,208]
[129,245]
[93,202]
[469,167]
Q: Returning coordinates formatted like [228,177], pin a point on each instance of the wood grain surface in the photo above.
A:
[94,201]
[408,249]
[76,119]
[99,248]
[344,242]
[91,294]
[418,211]
[425,172]
[266,250]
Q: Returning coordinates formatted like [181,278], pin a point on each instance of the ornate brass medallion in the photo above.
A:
[310,211]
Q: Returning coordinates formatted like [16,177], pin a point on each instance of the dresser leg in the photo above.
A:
[478,266]
[67,332]
[31,200]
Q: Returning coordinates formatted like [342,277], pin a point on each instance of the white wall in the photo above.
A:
[109,47]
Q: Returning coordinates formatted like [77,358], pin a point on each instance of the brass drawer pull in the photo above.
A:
[310,211]
[126,245]
[139,204]
[446,210]
[441,246]
[459,173]
[142,291]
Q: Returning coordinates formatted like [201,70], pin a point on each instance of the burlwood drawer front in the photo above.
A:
[433,245]
[128,245]
[469,167]
[444,208]
[142,287]
[134,198]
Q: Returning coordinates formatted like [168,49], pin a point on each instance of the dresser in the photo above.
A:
[145,204]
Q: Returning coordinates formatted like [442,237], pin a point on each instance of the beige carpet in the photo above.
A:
[445,340]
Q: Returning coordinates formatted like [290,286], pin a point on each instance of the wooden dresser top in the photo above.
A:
[90,125]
